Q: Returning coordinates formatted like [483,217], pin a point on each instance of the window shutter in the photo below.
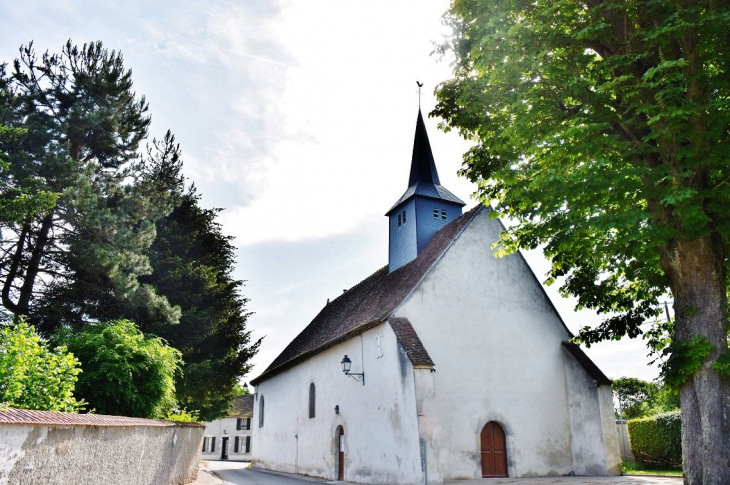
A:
[238,423]
[212,444]
[248,423]
[235,445]
[248,444]
[205,442]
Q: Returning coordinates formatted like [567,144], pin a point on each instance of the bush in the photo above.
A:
[32,376]
[126,373]
[656,441]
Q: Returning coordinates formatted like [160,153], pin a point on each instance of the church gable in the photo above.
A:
[365,305]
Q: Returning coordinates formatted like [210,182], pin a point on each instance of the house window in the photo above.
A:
[435,213]
[311,400]
[404,217]
[238,423]
[261,412]
[246,424]
[206,444]
[443,215]
[399,220]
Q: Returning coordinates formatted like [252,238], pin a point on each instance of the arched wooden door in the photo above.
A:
[340,434]
[494,451]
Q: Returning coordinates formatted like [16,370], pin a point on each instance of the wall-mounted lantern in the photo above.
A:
[347,365]
[245,387]
[337,409]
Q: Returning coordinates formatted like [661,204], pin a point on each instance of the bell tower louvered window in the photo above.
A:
[312,397]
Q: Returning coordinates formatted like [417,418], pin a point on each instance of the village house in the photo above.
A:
[229,438]
[447,363]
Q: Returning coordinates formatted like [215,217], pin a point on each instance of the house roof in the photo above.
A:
[55,418]
[408,338]
[424,178]
[241,407]
[592,369]
[367,304]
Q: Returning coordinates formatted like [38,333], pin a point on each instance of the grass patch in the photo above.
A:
[635,468]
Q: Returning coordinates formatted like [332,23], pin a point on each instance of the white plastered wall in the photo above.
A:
[495,340]
[379,418]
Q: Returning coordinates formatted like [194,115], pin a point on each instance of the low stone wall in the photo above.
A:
[42,447]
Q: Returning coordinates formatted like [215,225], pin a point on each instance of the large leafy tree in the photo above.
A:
[125,372]
[192,263]
[81,125]
[602,128]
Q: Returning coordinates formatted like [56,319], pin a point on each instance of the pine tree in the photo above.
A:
[192,261]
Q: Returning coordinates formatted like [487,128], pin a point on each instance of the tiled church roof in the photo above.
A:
[366,304]
[408,338]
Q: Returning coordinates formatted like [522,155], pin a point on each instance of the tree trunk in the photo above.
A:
[696,270]
[13,271]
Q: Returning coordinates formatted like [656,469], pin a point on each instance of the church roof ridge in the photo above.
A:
[367,304]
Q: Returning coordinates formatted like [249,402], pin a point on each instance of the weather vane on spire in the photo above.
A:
[420,85]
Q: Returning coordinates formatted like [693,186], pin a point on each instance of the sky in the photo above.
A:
[297,118]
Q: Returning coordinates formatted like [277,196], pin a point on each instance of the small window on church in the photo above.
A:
[443,215]
[435,213]
[399,221]
[311,400]
[261,412]
[404,217]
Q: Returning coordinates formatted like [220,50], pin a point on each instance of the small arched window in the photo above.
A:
[399,220]
[311,400]
[404,217]
[261,412]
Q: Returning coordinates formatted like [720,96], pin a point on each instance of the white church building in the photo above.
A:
[459,366]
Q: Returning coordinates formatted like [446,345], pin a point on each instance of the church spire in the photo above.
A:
[423,166]
[423,209]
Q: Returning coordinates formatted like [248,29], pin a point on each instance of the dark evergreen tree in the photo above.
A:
[81,125]
[192,263]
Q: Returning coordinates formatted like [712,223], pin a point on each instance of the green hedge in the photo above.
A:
[656,441]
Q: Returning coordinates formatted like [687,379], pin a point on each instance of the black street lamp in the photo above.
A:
[347,365]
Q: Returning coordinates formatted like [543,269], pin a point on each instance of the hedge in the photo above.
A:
[656,441]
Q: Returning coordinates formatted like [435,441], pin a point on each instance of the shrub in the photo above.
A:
[656,441]
[126,373]
[32,376]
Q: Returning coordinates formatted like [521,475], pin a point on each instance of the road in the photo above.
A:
[239,473]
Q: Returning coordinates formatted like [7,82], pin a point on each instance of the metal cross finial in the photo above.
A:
[420,85]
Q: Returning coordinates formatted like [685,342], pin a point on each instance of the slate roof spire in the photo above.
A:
[424,179]
[423,166]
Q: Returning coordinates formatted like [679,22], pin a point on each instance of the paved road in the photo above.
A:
[238,473]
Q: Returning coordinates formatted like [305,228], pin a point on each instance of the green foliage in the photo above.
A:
[76,129]
[682,360]
[722,365]
[193,261]
[639,398]
[33,376]
[126,373]
[183,416]
[601,130]
[635,396]
[656,441]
